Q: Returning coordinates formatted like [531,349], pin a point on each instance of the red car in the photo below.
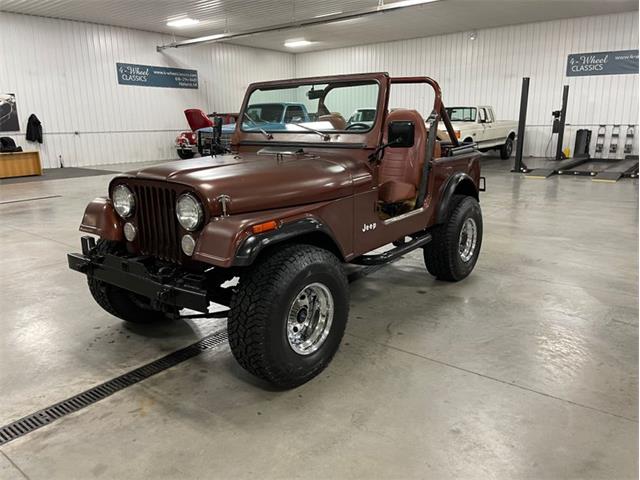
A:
[187,142]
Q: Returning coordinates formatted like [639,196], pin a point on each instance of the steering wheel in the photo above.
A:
[358,125]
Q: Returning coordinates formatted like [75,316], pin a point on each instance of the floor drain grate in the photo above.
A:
[52,413]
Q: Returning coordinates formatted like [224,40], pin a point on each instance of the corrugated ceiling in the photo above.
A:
[218,16]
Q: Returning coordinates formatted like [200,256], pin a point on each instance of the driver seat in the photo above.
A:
[401,168]
[336,120]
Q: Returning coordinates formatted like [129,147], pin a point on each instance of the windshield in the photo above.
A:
[320,107]
[266,112]
[363,115]
[461,114]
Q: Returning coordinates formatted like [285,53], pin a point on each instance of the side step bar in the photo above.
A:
[394,253]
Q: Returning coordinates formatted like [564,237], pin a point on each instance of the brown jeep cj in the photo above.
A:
[282,214]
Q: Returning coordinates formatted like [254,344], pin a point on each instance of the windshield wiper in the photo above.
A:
[325,136]
[264,132]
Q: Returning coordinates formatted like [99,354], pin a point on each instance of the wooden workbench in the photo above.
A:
[20,164]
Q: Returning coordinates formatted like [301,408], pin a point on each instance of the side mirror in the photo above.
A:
[401,134]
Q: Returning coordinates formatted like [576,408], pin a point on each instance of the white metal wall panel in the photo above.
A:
[65,73]
[489,70]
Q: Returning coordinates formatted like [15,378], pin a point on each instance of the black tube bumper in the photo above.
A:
[177,289]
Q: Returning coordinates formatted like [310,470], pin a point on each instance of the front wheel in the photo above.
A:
[506,149]
[185,154]
[453,252]
[288,315]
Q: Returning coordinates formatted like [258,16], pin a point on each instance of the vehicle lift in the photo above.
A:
[609,169]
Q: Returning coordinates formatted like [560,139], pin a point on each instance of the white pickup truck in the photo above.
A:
[478,124]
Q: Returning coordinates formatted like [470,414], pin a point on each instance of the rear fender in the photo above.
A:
[100,218]
[459,184]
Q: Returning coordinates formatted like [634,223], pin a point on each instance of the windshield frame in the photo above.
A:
[332,83]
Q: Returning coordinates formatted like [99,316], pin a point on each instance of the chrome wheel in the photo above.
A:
[468,239]
[310,317]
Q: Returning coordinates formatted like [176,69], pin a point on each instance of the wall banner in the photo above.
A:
[619,62]
[152,76]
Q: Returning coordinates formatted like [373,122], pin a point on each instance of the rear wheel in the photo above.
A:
[185,154]
[288,315]
[454,250]
[506,149]
[119,302]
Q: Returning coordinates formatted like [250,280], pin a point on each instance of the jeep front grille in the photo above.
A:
[158,229]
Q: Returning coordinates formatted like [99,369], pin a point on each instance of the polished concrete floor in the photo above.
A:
[527,369]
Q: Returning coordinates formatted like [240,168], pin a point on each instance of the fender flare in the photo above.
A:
[100,218]
[251,247]
[457,180]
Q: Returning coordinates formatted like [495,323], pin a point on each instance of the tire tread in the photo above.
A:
[249,319]
[439,253]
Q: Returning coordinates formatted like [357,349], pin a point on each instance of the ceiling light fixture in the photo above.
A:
[378,9]
[183,22]
[327,14]
[409,3]
[473,35]
[297,43]
[342,22]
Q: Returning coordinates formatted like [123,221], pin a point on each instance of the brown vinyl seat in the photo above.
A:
[336,120]
[401,168]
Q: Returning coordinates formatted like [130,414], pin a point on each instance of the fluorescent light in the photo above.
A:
[408,3]
[327,14]
[346,20]
[297,43]
[183,22]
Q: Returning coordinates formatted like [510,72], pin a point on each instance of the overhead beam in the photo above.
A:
[219,37]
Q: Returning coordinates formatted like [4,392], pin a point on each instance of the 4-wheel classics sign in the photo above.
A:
[620,62]
[152,76]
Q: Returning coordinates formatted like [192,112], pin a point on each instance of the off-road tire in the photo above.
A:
[442,256]
[257,324]
[507,149]
[119,302]
[185,155]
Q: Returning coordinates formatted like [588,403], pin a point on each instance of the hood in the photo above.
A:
[227,129]
[257,182]
[197,119]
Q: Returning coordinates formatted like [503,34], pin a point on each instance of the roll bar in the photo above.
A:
[438,106]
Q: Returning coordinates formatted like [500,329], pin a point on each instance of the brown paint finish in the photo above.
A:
[101,219]
[334,182]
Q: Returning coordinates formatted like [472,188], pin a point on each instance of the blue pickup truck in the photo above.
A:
[267,116]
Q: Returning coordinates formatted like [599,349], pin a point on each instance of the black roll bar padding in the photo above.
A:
[448,126]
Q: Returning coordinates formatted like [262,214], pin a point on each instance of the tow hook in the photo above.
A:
[88,244]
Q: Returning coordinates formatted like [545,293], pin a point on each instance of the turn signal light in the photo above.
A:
[457,132]
[265,227]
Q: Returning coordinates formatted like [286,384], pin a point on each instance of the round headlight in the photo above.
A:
[123,201]
[189,212]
